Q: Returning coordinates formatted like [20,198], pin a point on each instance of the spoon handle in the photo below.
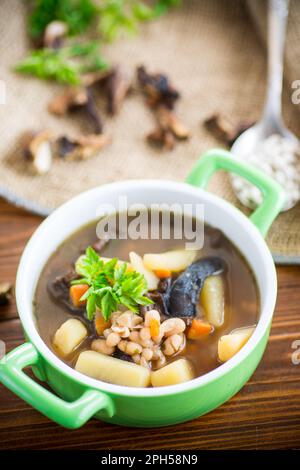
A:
[277,19]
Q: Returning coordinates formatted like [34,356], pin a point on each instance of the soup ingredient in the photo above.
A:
[103,258]
[167,120]
[229,345]
[69,336]
[146,340]
[54,34]
[157,88]
[117,86]
[161,138]
[110,285]
[77,98]
[101,324]
[212,300]
[37,150]
[163,273]
[76,292]
[161,97]
[224,129]
[174,344]
[101,346]
[72,96]
[183,294]
[175,373]
[5,293]
[112,370]
[59,290]
[65,64]
[174,261]
[279,158]
[82,147]
[113,17]
[138,265]
[199,329]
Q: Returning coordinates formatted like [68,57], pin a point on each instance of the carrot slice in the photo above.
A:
[199,329]
[154,328]
[163,273]
[76,292]
[101,324]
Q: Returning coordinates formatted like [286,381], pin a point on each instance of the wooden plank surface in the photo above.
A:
[265,414]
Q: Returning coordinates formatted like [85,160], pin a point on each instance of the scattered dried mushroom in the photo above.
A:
[162,96]
[157,89]
[5,293]
[37,151]
[77,98]
[223,129]
[54,34]
[80,148]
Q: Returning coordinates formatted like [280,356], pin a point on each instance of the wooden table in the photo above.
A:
[265,414]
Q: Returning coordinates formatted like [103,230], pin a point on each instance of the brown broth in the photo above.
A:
[241,293]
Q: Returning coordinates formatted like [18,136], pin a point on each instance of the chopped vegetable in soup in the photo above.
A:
[142,313]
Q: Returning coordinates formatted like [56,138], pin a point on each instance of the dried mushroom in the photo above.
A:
[5,293]
[71,97]
[157,88]
[77,98]
[80,148]
[54,34]
[169,121]
[162,138]
[117,85]
[162,96]
[38,151]
[223,129]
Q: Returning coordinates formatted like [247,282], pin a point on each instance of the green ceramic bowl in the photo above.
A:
[77,398]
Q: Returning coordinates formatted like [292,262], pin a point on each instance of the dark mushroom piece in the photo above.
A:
[81,148]
[59,290]
[157,88]
[183,295]
[223,129]
[5,293]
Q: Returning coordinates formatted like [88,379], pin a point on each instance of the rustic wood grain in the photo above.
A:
[265,414]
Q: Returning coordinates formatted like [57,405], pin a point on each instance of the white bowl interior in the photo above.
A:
[83,209]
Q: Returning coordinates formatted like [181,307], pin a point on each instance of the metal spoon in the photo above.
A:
[271,121]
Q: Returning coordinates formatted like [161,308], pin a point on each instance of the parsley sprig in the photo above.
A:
[110,285]
[63,64]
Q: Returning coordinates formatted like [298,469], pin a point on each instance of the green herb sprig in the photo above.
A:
[110,285]
[63,64]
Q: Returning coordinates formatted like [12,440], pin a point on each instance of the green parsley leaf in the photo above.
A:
[110,285]
[65,64]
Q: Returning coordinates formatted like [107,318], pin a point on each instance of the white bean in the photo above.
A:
[100,346]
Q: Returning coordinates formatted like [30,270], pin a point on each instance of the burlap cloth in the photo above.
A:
[213,50]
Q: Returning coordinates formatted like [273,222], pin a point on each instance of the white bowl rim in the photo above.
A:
[26,314]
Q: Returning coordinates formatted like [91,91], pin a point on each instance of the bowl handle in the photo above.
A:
[68,414]
[217,159]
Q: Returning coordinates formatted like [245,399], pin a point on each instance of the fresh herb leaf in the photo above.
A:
[77,14]
[111,285]
[63,64]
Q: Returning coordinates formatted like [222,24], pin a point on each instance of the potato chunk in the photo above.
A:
[138,265]
[69,336]
[229,345]
[175,373]
[112,370]
[174,261]
[212,300]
